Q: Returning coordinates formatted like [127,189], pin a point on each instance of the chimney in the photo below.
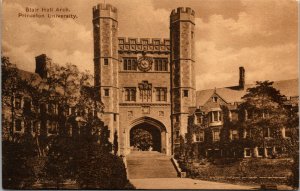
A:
[42,64]
[242,78]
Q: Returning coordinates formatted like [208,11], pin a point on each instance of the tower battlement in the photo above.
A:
[105,10]
[179,10]
[154,41]
[183,14]
[102,6]
[144,44]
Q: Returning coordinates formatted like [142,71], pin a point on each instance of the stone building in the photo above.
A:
[145,83]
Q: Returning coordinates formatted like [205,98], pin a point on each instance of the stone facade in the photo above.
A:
[145,81]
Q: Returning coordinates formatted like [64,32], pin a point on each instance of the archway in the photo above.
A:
[145,137]
[146,133]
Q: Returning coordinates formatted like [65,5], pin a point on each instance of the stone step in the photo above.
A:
[149,165]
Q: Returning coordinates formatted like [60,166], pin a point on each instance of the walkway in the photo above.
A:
[154,170]
[185,183]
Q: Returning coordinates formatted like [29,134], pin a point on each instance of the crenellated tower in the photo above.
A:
[182,57]
[105,29]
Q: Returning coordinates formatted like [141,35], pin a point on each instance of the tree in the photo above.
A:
[116,144]
[11,88]
[264,113]
[142,139]
[17,173]
[58,167]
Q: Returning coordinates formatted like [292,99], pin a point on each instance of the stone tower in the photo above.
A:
[183,92]
[105,29]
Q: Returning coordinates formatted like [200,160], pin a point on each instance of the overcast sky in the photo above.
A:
[260,35]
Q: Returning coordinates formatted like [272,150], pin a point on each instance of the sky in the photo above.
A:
[260,35]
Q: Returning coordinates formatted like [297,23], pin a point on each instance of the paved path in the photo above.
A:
[146,164]
[185,183]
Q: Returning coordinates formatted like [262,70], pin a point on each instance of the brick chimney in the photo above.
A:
[42,64]
[242,78]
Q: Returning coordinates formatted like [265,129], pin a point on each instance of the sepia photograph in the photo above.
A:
[149,94]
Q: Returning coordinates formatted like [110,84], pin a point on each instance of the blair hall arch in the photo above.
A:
[155,130]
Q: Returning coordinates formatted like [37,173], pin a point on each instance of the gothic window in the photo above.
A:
[161,94]
[130,94]
[216,135]
[185,93]
[145,89]
[130,63]
[160,64]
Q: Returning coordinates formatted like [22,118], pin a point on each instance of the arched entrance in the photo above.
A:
[147,134]
[145,137]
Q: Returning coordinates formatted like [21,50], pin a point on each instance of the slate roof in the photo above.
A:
[233,94]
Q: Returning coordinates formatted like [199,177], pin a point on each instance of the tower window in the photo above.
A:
[130,63]
[105,61]
[161,94]
[106,92]
[130,94]
[185,93]
[161,64]
[115,117]
[192,34]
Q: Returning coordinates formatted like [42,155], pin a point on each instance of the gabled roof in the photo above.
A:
[233,94]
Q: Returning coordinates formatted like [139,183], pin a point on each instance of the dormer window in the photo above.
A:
[215,99]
